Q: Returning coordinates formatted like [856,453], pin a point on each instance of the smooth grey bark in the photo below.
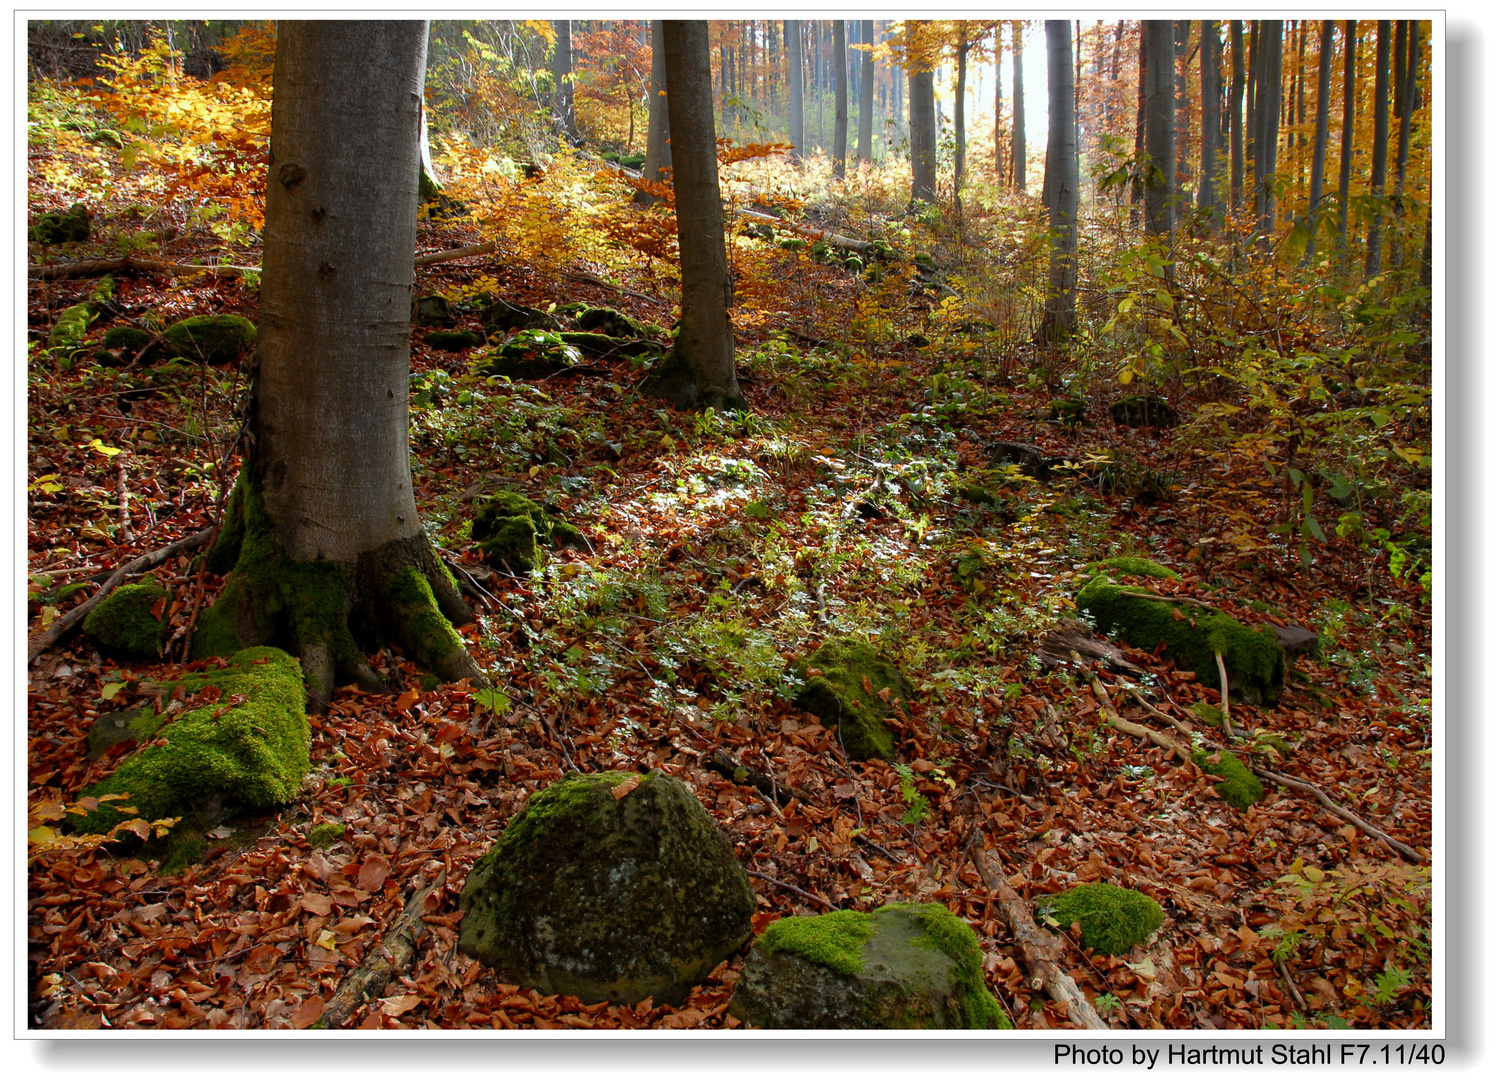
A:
[659,152]
[1238,113]
[962,47]
[922,138]
[1159,191]
[793,29]
[700,371]
[1380,110]
[324,521]
[563,80]
[867,92]
[841,100]
[1001,182]
[1209,192]
[1181,98]
[1347,142]
[1019,118]
[1407,90]
[1321,133]
[1269,114]
[1063,186]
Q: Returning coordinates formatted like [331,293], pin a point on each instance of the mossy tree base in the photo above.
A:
[331,614]
[674,382]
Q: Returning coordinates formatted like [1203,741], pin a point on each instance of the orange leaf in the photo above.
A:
[315,903]
[407,700]
[395,1006]
[373,873]
[625,787]
[307,1013]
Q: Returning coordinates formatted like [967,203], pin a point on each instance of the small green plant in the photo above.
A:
[917,802]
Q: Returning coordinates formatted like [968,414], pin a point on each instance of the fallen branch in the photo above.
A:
[810,897]
[734,771]
[1329,804]
[455,253]
[813,232]
[1225,700]
[1041,952]
[135,264]
[49,637]
[1169,599]
[391,957]
[1126,727]
[594,279]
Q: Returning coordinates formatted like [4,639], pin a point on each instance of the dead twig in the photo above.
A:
[455,253]
[1396,845]
[127,534]
[810,897]
[1225,700]
[765,783]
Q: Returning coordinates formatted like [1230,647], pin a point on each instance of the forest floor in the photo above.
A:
[722,550]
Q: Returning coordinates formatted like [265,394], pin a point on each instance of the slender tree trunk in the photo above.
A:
[1181,100]
[1270,109]
[841,100]
[793,30]
[1209,193]
[922,136]
[1321,133]
[659,152]
[868,93]
[1380,112]
[1347,142]
[323,546]
[700,371]
[1407,88]
[1019,116]
[962,47]
[1001,182]
[1160,192]
[563,80]
[1063,181]
[1238,112]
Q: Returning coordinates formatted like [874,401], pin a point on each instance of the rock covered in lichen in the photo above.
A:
[1112,919]
[850,686]
[610,887]
[128,621]
[901,966]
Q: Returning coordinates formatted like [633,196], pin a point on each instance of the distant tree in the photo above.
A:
[659,152]
[1001,172]
[1379,151]
[1269,113]
[325,553]
[793,30]
[563,80]
[1347,140]
[700,371]
[1059,316]
[961,51]
[1209,192]
[1159,189]
[841,100]
[1019,119]
[1407,91]
[1321,132]
[922,134]
[1238,113]
[867,92]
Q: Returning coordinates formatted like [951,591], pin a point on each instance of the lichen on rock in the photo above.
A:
[123,622]
[1112,919]
[902,966]
[850,686]
[610,887]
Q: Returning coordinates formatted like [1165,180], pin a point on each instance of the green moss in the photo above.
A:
[1135,564]
[72,324]
[326,834]
[62,226]
[123,623]
[834,940]
[952,936]
[1239,786]
[454,340]
[839,697]
[252,752]
[431,635]
[1191,638]
[1144,410]
[531,354]
[1112,919]
[214,339]
[1067,410]
[611,323]
[123,344]
[599,345]
[130,725]
[509,528]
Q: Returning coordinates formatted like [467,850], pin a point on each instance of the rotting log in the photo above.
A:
[388,959]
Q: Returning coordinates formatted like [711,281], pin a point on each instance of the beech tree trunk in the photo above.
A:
[1019,119]
[1321,133]
[1407,88]
[1209,193]
[1159,190]
[563,80]
[324,551]
[793,29]
[922,136]
[1238,114]
[1379,151]
[1347,142]
[700,371]
[962,47]
[659,153]
[867,91]
[1001,182]
[841,100]
[1062,195]
[1269,114]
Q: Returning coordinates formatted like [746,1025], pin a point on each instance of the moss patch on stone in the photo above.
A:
[454,340]
[432,636]
[62,226]
[1190,635]
[510,529]
[1135,564]
[531,354]
[123,344]
[326,834]
[1112,919]
[608,893]
[123,622]
[248,746]
[1239,786]
[129,725]
[612,323]
[902,966]
[1144,410]
[72,324]
[836,676]
[214,339]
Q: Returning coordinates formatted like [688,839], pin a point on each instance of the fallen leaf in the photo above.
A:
[316,903]
[626,787]
[395,1006]
[307,1013]
[373,873]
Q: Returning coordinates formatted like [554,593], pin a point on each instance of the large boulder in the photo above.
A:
[611,887]
[901,966]
[850,686]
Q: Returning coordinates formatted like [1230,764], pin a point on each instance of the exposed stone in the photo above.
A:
[62,226]
[126,344]
[433,310]
[848,685]
[214,339]
[510,529]
[453,340]
[123,623]
[610,887]
[504,317]
[1144,410]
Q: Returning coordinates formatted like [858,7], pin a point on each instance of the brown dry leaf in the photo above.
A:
[307,1013]
[395,1006]
[353,924]
[684,1018]
[625,787]
[373,873]
[316,903]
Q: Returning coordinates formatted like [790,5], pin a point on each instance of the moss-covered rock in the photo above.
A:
[62,226]
[510,529]
[611,323]
[1135,564]
[902,966]
[1112,919]
[602,347]
[126,344]
[1068,411]
[850,686]
[454,340]
[326,834]
[1144,410]
[531,354]
[214,339]
[502,316]
[123,623]
[246,746]
[1239,786]
[1189,635]
[129,725]
[433,310]
[610,887]
[72,324]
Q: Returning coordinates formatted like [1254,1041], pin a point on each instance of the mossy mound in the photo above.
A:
[62,226]
[902,966]
[610,887]
[454,340]
[611,323]
[126,344]
[502,316]
[531,354]
[247,746]
[510,530]
[850,686]
[72,324]
[214,339]
[1135,564]
[1144,410]
[326,834]
[1189,635]
[433,310]
[601,346]
[1239,786]
[123,623]
[1067,411]
[1112,919]
[129,725]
